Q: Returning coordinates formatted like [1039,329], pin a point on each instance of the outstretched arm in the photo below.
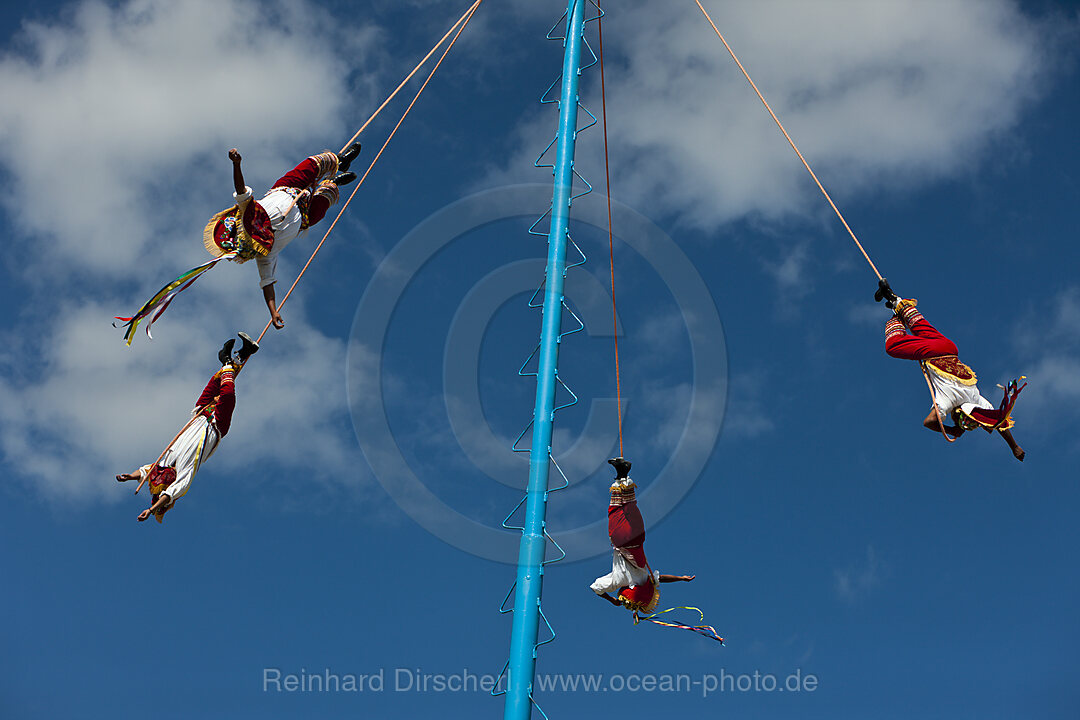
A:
[163,499]
[931,422]
[676,578]
[610,599]
[271,305]
[237,174]
[1017,451]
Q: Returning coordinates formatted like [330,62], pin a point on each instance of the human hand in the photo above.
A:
[277,321]
[144,514]
[234,155]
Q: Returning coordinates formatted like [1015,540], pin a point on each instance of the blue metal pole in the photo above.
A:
[530,578]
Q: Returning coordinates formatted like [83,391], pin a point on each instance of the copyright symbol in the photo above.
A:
[488,451]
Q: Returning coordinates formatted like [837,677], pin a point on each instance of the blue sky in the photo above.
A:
[830,533]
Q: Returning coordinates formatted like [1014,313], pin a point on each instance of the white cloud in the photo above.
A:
[791,272]
[859,579]
[865,314]
[663,334]
[87,407]
[114,129]
[115,124]
[1050,326]
[871,92]
[667,405]
[748,406]
[1048,340]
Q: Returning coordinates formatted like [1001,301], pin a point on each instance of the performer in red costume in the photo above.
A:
[261,229]
[909,336]
[170,477]
[635,584]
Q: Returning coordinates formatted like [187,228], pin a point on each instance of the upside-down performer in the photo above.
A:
[631,579]
[170,477]
[909,336]
[261,229]
[635,584]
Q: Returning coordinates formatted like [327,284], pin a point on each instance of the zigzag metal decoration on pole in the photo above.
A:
[527,613]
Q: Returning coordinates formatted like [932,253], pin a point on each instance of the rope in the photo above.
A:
[408,77]
[195,414]
[167,448]
[933,401]
[463,19]
[467,17]
[611,233]
[403,82]
[790,141]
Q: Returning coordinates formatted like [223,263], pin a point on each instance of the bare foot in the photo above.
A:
[1018,453]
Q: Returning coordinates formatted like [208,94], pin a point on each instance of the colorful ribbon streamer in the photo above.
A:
[707,630]
[160,302]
